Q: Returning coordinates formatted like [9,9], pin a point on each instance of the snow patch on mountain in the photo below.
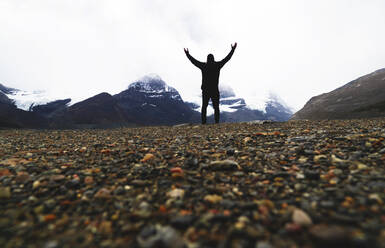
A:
[26,99]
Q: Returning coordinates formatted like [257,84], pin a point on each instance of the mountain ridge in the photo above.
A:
[360,98]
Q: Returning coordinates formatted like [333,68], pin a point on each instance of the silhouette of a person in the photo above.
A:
[210,79]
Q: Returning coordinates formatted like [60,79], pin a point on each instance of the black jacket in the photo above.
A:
[210,72]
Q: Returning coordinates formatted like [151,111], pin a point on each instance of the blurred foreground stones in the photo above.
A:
[259,185]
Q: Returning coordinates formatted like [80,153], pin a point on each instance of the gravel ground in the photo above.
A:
[260,185]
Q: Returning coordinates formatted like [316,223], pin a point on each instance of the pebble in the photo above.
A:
[224,165]
[103,193]
[312,174]
[176,193]
[159,236]
[329,234]
[119,190]
[105,227]
[337,161]
[88,180]
[57,178]
[361,166]
[301,218]
[5,192]
[138,182]
[22,177]
[213,198]
[183,221]
[35,184]
[51,244]
[337,172]
[148,157]
[263,244]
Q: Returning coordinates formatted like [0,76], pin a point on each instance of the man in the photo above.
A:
[210,79]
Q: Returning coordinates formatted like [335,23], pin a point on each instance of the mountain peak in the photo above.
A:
[151,83]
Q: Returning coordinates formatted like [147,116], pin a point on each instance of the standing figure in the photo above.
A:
[210,79]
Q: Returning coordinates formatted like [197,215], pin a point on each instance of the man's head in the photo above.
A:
[210,58]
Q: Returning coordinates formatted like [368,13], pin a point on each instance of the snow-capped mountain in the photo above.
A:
[153,87]
[236,109]
[152,101]
[25,100]
[228,101]
[13,117]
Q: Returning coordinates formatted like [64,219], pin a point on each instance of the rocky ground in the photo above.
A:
[294,184]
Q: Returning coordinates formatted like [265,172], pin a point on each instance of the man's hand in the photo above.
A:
[186,51]
[234,46]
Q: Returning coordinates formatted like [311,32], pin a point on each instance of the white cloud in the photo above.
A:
[296,49]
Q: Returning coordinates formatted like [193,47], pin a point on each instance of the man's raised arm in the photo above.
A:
[193,60]
[228,57]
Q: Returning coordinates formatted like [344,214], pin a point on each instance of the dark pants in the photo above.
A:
[206,96]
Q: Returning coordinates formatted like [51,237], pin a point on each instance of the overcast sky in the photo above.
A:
[296,49]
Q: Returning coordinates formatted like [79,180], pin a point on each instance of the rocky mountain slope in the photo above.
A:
[100,111]
[12,117]
[5,99]
[361,98]
[51,109]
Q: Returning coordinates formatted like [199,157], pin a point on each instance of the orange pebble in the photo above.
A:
[88,180]
[176,170]
[177,175]
[65,202]
[185,212]
[226,212]
[105,151]
[5,172]
[162,209]
[214,211]
[49,217]
[147,157]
